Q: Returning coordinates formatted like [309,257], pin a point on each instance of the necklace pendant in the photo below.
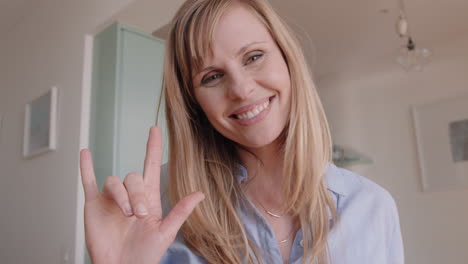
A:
[272,214]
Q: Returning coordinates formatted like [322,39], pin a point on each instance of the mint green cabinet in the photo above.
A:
[127,79]
[126,88]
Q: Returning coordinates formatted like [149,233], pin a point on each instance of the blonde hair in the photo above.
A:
[201,159]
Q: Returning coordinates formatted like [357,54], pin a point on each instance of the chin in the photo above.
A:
[260,137]
[259,141]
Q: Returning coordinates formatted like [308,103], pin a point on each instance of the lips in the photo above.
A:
[251,110]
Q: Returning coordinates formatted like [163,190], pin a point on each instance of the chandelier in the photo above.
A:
[410,56]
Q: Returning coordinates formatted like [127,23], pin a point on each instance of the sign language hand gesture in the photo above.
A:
[123,223]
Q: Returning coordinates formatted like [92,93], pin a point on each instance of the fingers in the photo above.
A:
[153,157]
[115,190]
[88,178]
[151,172]
[179,214]
[136,193]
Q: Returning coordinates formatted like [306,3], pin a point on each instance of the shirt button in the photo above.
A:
[301,243]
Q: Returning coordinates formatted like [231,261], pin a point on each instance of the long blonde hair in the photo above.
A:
[201,159]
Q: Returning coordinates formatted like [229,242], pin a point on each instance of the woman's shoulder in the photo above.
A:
[368,228]
[352,186]
[361,201]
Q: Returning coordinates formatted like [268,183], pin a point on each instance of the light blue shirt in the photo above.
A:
[367,232]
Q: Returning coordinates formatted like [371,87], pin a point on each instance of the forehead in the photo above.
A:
[237,27]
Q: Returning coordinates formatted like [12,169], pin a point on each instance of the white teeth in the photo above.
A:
[254,112]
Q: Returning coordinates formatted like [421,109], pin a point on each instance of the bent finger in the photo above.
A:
[115,190]
[136,192]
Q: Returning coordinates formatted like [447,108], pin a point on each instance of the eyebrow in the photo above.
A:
[241,50]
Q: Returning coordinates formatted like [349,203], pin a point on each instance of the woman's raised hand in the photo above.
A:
[124,223]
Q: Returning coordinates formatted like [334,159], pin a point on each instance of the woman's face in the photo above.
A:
[244,87]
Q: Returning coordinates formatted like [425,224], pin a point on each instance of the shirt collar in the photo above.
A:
[334,179]
[337,182]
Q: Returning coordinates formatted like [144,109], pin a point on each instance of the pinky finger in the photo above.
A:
[87,175]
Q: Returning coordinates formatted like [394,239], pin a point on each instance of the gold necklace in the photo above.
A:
[276,216]
[268,211]
[285,240]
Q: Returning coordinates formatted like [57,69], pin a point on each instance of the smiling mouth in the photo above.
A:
[254,111]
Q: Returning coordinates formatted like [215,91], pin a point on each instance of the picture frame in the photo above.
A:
[441,130]
[40,124]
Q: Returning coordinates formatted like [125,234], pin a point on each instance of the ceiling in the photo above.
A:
[337,35]
[360,34]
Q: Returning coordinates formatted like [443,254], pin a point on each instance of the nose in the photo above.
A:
[241,86]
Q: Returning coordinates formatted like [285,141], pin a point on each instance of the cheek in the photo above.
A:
[283,76]
[210,104]
[276,74]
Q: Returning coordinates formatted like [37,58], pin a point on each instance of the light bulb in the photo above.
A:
[402,26]
[412,58]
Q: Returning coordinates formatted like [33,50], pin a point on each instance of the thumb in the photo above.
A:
[179,214]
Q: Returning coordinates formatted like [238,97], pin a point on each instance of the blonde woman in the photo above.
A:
[249,178]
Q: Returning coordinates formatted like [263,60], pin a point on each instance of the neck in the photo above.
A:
[265,169]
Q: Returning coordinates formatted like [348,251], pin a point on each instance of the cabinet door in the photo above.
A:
[140,72]
[127,80]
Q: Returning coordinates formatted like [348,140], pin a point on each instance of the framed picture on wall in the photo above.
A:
[40,124]
[442,141]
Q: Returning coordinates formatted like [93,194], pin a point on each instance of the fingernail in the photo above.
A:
[128,209]
[141,209]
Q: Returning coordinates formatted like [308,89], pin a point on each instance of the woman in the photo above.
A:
[249,137]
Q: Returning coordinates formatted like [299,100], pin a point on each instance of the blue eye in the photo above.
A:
[211,78]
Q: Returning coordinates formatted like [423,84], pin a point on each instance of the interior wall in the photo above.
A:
[42,198]
[38,196]
[2,98]
[371,113]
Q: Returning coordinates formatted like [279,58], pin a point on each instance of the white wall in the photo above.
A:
[38,196]
[3,68]
[371,113]
[41,217]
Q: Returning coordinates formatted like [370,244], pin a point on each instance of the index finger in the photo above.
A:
[153,159]
[87,175]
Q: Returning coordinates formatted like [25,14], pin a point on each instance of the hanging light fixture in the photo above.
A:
[410,57]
